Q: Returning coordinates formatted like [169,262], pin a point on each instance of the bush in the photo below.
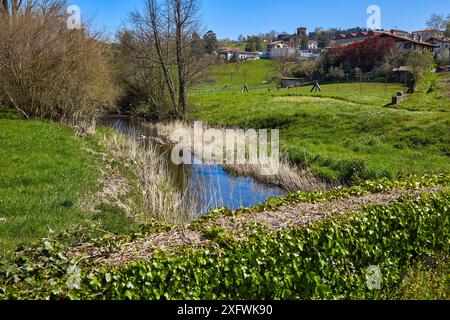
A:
[365,55]
[50,71]
[419,63]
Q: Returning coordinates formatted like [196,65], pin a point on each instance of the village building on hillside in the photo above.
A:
[347,38]
[426,34]
[294,40]
[442,50]
[283,49]
[313,45]
[285,52]
[277,45]
[234,54]
[403,43]
[441,43]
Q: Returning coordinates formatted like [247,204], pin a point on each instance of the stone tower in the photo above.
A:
[301,31]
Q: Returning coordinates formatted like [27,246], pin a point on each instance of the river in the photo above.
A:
[208,186]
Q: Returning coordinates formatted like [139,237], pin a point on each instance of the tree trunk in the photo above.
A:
[180,59]
[152,6]
[4,10]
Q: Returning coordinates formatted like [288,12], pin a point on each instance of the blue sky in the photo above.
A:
[230,18]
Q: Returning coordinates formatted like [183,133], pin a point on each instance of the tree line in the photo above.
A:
[50,71]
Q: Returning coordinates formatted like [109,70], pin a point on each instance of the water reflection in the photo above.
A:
[208,186]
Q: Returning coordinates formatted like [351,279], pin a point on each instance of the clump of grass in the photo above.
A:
[161,200]
[83,125]
[289,177]
[428,280]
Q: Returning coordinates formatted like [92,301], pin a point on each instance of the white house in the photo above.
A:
[313,45]
[286,52]
[233,54]
[442,50]
[277,45]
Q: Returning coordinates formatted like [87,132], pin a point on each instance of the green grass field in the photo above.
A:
[347,129]
[254,73]
[46,174]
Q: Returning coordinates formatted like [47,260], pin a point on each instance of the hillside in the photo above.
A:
[256,74]
[347,130]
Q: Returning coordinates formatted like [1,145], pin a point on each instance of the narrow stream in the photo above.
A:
[209,186]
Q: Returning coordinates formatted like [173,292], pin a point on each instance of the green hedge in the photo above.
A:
[328,260]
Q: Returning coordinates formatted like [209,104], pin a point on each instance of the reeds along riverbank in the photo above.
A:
[161,200]
[288,176]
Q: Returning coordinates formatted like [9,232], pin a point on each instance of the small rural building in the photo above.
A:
[290,82]
[277,45]
[313,45]
[237,54]
[402,74]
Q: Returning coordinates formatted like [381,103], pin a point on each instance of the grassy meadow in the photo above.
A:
[255,73]
[349,129]
[46,178]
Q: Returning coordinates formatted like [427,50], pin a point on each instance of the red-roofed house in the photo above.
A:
[346,38]
[403,43]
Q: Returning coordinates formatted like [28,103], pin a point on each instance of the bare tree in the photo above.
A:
[10,8]
[438,22]
[185,13]
[166,37]
[285,63]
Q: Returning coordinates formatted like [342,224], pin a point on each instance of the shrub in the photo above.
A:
[365,55]
[48,70]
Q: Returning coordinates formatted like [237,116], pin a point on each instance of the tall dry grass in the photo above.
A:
[161,200]
[289,176]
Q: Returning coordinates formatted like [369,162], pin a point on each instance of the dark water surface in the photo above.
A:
[209,186]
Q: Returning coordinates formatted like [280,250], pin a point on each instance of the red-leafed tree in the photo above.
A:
[366,55]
